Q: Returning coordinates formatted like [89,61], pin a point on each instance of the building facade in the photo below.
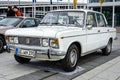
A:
[111,9]
[37,9]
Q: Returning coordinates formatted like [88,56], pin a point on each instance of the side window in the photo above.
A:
[29,23]
[100,20]
[37,22]
[91,19]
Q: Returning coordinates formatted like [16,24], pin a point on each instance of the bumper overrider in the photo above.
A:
[41,53]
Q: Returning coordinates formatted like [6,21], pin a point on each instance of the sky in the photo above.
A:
[81,1]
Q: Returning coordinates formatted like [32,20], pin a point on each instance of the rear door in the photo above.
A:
[104,29]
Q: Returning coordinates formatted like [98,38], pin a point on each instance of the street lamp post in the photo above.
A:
[113,15]
[34,11]
[8,2]
[68,4]
[19,4]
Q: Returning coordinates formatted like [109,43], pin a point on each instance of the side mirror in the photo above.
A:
[89,27]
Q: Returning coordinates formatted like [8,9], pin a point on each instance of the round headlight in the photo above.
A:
[15,39]
[54,43]
[11,39]
[45,42]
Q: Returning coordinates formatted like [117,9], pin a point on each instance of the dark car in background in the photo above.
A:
[2,17]
[12,23]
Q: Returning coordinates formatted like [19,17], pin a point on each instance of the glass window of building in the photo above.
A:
[108,0]
[117,0]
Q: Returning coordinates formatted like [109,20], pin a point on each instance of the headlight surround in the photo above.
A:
[6,38]
[45,42]
[54,43]
[16,40]
[13,40]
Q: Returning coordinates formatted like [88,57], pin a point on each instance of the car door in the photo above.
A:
[104,30]
[93,33]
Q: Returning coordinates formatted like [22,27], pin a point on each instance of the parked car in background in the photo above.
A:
[2,17]
[64,35]
[15,22]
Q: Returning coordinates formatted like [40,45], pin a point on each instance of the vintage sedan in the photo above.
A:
[63,35]
[15,22]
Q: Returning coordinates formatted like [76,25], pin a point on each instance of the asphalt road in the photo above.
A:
[44,70]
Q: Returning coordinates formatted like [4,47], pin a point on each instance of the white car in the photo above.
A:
[63,35]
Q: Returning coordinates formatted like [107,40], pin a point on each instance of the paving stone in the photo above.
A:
[3,79]
[35,76]
[108,75]
[115,68]
[96,78]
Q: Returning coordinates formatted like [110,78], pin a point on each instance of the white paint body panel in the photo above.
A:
[89,39]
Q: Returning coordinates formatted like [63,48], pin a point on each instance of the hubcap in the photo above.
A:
[73,57]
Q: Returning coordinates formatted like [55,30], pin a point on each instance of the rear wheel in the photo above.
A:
[107,50]
[21,59]
[2,43]
[70,61]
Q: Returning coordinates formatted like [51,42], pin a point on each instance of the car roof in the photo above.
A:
[84,10]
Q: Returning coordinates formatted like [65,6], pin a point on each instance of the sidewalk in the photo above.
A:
[107,71]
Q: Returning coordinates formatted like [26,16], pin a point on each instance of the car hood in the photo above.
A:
[41,31]
[4,28]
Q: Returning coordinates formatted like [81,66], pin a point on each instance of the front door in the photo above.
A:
[93,33]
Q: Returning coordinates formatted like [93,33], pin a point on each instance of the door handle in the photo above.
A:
[98,30]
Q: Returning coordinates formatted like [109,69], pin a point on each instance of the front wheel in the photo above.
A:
[21,59]
[2,42]
[107,50]
[70,61]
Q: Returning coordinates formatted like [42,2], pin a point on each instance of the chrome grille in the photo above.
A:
[29,41]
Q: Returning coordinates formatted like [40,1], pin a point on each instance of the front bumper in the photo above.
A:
[41,53]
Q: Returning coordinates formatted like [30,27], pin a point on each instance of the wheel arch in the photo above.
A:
[3,37]
[111,39]
[78,44]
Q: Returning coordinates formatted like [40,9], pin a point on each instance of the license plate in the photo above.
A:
[28,53]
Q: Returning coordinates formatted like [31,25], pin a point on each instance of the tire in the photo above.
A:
[107,50]
[2,43]
[70,61]
[21,59]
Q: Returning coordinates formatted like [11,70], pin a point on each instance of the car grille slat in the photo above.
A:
[29,41]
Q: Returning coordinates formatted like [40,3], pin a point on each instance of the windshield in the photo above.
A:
[64,18]
[10,22]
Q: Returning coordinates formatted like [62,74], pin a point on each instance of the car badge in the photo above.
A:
[27,40]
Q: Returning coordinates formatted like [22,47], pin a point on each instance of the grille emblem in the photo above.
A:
[27,40]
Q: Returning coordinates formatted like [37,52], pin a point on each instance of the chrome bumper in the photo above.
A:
[41,53]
